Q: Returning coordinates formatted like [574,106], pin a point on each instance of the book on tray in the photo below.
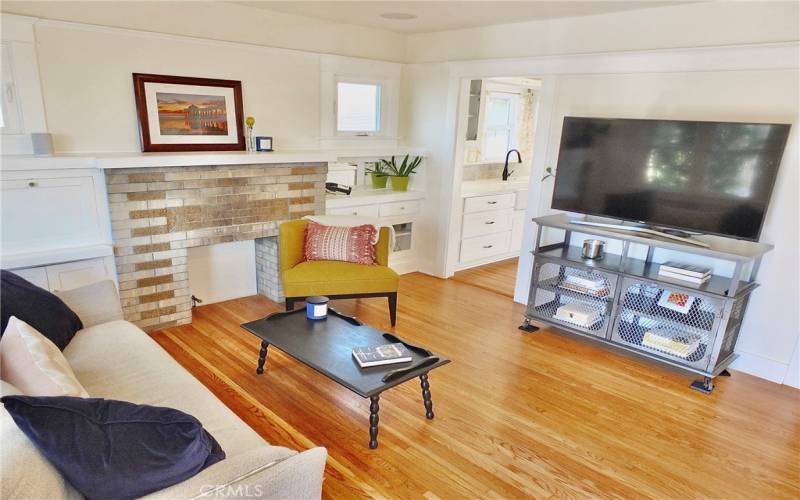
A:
[684,277]
[684,269]
[580,314]
[384,354]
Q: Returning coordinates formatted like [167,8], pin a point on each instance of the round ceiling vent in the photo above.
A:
[398,16]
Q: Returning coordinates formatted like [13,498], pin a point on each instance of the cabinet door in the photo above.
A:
[36,275]
[79,273]
[40,214]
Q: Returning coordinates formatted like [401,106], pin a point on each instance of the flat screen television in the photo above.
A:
[705,177]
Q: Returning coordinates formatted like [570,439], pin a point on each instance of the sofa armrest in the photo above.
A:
[266,472]
[291,243]
[382,247]
[94,304]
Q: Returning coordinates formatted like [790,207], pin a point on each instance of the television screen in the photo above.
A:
[706,177]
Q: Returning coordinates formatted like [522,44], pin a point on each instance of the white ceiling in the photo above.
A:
[447,15]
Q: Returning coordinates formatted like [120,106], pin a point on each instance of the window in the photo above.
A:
[500,125]
[358,108]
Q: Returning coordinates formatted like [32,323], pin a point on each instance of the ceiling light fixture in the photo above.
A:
[398,16]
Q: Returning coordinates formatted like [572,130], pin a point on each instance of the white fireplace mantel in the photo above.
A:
[144,160]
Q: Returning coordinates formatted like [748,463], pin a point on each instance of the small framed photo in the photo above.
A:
[178,113]
[677,301]
[263,143]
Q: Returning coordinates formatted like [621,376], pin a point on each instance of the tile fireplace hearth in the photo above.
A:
[157,213]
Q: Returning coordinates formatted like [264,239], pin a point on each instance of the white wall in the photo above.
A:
[224,21]
[88,92]
[425,118]
[691,25]
[223,271]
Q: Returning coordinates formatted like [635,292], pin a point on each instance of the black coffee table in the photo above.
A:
[327,345]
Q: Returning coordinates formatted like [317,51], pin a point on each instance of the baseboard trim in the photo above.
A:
[761,367]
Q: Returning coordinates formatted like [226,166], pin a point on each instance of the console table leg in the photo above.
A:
[262,357]
[426,395]
[373,421]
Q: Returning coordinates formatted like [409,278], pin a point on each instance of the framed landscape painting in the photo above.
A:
[178,113]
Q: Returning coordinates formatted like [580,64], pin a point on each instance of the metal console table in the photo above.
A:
[630,300]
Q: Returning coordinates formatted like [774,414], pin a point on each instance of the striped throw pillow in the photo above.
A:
[348,244]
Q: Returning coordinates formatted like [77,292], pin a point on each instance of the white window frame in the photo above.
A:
[512,128]
[382,111]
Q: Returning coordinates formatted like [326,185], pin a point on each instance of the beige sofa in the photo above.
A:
[114,359]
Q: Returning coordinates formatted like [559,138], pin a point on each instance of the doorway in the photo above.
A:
[496,142]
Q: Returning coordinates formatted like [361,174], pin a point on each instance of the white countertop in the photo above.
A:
[367,196]
[488,186]
[143,160]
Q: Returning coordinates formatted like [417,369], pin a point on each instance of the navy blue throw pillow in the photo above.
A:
[37,307]
[112,449]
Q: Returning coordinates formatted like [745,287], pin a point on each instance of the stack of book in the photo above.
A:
[685,272]
[588,285]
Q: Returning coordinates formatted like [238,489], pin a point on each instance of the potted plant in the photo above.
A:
[400,174]
[379,174]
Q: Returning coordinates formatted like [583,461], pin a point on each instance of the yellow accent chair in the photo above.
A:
[334,279]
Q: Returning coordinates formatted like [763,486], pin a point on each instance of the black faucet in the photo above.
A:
[506,173]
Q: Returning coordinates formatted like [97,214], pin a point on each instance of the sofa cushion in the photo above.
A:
[115,449]
[37,307]
[346,244]
[117,360]
[326,277]
[94,304]
[34,364]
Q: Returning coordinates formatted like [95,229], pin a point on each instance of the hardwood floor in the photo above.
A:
[517,415]
[498,277]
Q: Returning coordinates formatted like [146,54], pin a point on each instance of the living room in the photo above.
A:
[210,208]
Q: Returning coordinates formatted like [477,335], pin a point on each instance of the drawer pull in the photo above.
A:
[488,246]
[489,222]
[492,202]
[31,184]
[355,213]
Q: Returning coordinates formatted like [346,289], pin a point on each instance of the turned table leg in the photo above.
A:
[262,357]
[373,421]
[426,395]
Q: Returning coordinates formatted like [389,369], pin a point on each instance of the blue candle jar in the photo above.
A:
[317,307]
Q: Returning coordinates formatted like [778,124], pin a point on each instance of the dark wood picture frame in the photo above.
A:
[139,80]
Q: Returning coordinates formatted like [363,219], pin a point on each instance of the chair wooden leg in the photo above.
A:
[289,304]
[393,307]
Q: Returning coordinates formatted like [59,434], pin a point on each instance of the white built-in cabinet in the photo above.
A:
[55,230]
[400,210]
[491,227]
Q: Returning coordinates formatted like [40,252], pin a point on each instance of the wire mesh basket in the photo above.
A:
[572,296]
[671,323]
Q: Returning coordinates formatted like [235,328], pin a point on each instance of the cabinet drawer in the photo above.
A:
[482,247]
[481,223]
[398,208]
[490,202]
[361,211]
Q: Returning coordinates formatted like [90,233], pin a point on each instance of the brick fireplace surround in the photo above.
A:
[158,213]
